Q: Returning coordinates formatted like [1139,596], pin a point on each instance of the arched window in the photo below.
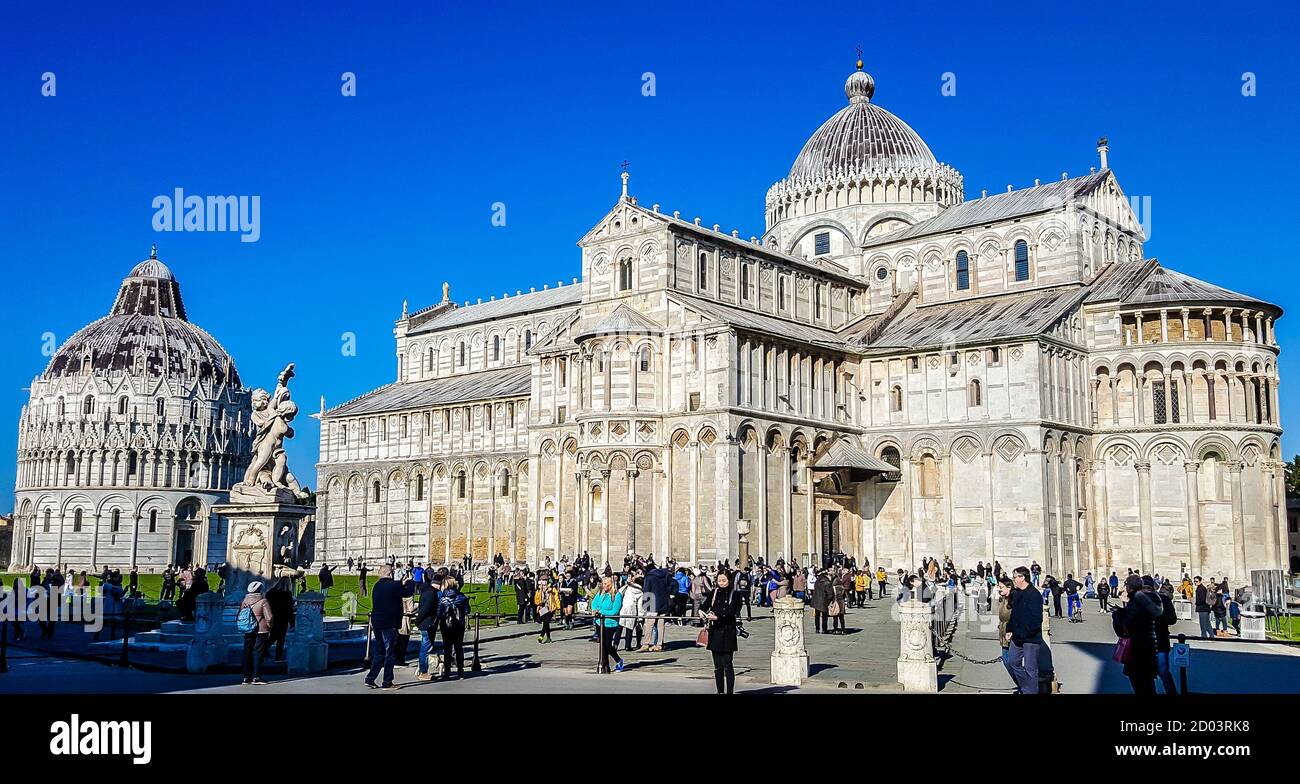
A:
[419,487]
[963,271]
[161,406]
[460,484]
[194,410]
[76,522]
[47,521]
[974,394]
[744,281]
[153,521]
[644,361]
[817,301]
[496,348]
[929,477]
[896,398]
[428,361]
[375,491]
[116,524]
[528,339]
[88,407]
[504,483]
[780,293]
[460,357]
[703,276]
[625,274]
[796,469]
[122,405]
[1022,260]
[62,407]
[562,370]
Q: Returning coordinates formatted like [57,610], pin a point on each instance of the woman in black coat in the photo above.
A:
[1136,620]
[722,612]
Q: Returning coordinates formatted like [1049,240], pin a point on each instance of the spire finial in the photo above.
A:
[1103,147]
[859,57]
[153,251]
[860,86]
[624,177]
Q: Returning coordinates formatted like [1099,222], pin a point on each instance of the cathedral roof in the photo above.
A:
[506,307]
[978,320]
[514,381]
[860,135]
[1001,206]
[146,332]
[624,321]
[1148,282]
[760,322]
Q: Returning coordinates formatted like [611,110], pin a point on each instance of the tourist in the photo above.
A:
[1053,587]
[1234,614]
[1168,617]
[426,620]
[1024,631]
[722,614]
[327,577]
[197,585]
[657,590]
[280,600]
[523,586]
[1135,623]
[837,609]
[700,587]
[861,587]
[1103,596]
[405,625]
[453,616]
[1004,590]
[632,607]
[605,607]
[881,580]
[364,570]
[547,601]
[569,588]
[1074,603]
[256,640]
[744,585]
[168,585]
[1220,610]
[385,618]
[822,596]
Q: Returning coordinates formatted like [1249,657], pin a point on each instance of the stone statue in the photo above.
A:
[268,479]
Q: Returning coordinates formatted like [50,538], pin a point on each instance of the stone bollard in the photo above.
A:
[790,658]
[1252,625]
[208,646]
[307,650]
[917,670]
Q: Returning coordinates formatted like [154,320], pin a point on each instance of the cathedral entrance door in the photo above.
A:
[184,552]
[830,536]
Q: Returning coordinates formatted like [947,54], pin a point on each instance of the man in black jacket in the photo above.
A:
[385,618]
[426,620]
[1203,608]
[1025,631]
[657,590]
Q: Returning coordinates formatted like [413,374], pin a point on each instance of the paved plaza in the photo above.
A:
[862,661]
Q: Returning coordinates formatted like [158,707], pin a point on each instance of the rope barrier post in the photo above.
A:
[1182,671]
[496,621]
[475,666]
[4,643]
[600,643]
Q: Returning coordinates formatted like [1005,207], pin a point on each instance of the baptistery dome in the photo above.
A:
[145,333]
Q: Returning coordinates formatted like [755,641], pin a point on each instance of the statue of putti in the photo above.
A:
[268,478]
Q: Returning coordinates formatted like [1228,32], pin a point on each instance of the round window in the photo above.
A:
[882,273]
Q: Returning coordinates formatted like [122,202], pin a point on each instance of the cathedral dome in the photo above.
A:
[861,135]
[146,332]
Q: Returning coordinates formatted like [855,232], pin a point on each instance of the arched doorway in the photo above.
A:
[189,518]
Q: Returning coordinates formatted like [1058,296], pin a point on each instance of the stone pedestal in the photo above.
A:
[208,645]
[262,543]
[917,670]
[790,658]
[306,650]
[1252,625]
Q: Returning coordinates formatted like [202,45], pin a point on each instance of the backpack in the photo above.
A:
[452,615]
[246,622]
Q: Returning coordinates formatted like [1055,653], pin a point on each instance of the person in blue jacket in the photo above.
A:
[605,606]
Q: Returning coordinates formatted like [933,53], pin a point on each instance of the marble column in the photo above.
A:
[1193,467]
[762,498]
[1144,516]
[604,515]
[1238,524]
[787,523]
[694,534]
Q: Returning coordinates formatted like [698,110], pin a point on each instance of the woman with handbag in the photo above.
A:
[722,614]
[547,601]
[605,607]
[1135,624]
[836,608]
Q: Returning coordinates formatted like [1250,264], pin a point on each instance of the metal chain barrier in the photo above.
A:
[951,632]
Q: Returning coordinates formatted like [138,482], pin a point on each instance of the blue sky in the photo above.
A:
[371,199]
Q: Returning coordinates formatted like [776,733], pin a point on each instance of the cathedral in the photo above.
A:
[135,429]
[892,370]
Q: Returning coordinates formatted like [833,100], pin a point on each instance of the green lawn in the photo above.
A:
[1293,633]
[481,600]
